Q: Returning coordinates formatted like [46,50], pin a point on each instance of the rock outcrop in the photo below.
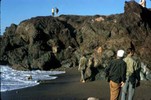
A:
[47,42]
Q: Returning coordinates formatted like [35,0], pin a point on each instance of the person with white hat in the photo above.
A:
[116,73]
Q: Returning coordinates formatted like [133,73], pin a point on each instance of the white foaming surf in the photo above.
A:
[12,79]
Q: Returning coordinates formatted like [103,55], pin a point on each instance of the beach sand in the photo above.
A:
[68,87]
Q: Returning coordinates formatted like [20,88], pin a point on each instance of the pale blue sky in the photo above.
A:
[15,11]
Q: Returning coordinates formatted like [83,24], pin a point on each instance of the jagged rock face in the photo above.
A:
[50,42]
[34,43]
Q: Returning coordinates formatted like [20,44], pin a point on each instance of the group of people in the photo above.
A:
[88,65]
[55,11]
[123,75]
[86,68]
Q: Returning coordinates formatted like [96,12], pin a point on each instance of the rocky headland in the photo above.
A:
[47,42]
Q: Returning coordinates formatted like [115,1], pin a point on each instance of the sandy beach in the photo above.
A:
[68,87]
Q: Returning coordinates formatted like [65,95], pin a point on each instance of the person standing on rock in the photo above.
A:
[57,11]
[132,76]
[53,11]
[142,3]
[116,72]
[82,67]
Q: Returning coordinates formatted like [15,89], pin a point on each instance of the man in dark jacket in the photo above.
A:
[116,72]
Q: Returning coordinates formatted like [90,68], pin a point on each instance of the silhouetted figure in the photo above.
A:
[57,11]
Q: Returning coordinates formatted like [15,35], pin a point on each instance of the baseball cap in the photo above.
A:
[120,53]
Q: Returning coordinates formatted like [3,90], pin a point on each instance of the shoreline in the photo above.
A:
[68,87]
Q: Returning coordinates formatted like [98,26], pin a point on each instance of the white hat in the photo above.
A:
[120,53]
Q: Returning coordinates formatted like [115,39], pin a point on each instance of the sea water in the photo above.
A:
[12,79]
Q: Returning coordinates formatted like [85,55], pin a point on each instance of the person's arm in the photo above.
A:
[107,69]
[137,67]
[137,71]
[123,72]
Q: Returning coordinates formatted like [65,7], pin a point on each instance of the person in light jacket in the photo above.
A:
[82,67]
[132,75]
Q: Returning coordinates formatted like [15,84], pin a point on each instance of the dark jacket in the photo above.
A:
[116,71]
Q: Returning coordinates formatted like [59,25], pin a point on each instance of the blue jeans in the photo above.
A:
[128,89]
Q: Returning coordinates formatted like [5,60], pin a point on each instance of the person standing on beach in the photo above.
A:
[132,76]
[82,67]
[89,73]
[116,72]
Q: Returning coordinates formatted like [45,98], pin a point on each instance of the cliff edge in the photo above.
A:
[47,42]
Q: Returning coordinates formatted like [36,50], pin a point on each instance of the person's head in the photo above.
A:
[120,53]
[130,51]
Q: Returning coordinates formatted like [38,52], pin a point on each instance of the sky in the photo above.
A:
[15,11]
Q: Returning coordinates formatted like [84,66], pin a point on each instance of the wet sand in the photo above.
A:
[68,87]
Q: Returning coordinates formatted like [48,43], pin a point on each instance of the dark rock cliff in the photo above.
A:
[51,42]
